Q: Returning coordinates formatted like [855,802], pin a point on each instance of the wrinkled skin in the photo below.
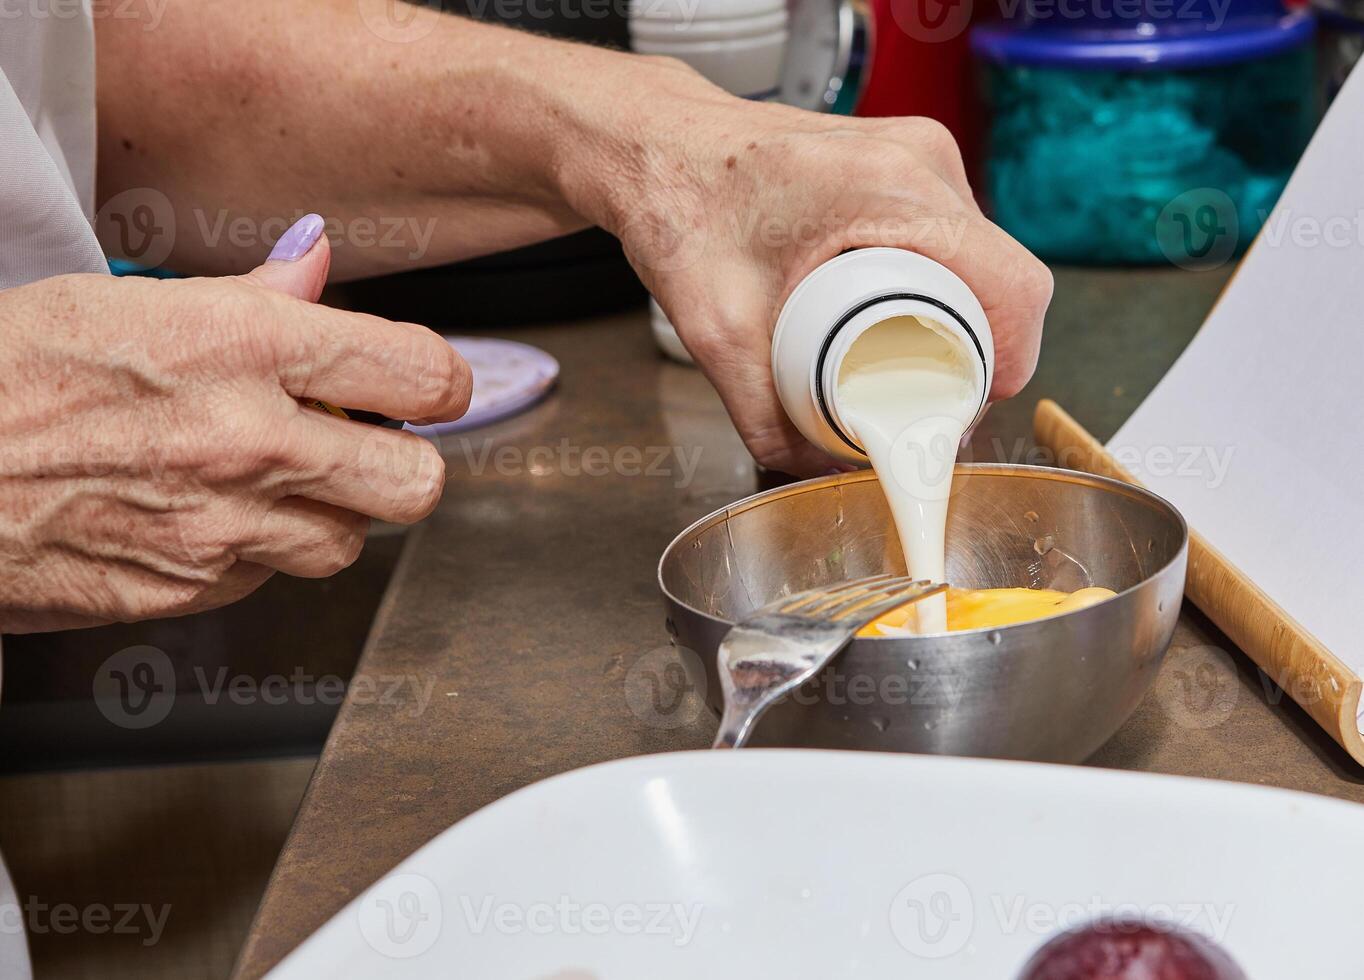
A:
[155,457]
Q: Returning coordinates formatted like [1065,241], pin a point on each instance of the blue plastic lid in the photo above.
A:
[1128,34]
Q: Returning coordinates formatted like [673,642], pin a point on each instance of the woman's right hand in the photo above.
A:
[155,458]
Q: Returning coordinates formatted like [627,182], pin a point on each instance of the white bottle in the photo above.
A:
[837,303]
[739,45]
[884,355]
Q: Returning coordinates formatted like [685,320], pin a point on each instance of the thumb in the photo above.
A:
[298,263]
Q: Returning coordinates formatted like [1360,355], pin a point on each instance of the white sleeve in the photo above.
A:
[47,145]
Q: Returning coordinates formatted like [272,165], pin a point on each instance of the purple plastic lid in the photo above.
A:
[1157,34]
[509,377]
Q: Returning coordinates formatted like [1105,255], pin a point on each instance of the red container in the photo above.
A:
[921,66]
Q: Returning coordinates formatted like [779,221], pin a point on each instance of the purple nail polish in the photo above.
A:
[295,243]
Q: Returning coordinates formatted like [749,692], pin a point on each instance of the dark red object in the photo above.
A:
[922,66]
[1131,950]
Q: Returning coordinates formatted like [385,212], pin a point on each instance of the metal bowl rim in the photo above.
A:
[992,469]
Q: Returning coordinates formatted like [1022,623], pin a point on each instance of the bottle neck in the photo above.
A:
[856,321]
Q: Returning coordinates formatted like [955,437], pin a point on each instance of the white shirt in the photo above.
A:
[47,141]
[47,201]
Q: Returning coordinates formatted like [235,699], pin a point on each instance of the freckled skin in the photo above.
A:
[476,138]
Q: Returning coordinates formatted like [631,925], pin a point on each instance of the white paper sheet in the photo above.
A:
[1257,432]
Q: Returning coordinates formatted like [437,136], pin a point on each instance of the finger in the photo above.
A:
[1015,289]
[299,262]
[306,538]
[402,370]
[236,583]
[382,473]
[934,141]
[1013,286]
[736,357]
[140,600]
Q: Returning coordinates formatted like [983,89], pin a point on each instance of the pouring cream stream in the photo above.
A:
[884,354]
[906,390]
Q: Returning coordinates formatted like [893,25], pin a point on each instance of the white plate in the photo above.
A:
[801,864]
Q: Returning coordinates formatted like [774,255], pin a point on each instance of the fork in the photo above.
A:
[784,644]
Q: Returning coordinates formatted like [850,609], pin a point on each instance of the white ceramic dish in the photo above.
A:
[692,866]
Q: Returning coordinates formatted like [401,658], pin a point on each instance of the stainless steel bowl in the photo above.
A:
[1053,690]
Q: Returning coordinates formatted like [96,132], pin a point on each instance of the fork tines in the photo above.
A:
[867,598]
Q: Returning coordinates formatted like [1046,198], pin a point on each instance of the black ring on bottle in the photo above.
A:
[843,322]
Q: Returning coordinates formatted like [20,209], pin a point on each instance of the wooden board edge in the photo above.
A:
[1309,673]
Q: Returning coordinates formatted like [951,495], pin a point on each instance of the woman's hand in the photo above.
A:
[724,206]
[496,137]
[155,458]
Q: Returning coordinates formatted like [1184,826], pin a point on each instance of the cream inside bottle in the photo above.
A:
[907,390]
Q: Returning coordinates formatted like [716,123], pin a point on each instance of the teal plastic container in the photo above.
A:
[1096,158]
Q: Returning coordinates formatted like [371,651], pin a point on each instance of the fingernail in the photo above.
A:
[295,243]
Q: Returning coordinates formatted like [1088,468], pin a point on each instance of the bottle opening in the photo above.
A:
[893,350]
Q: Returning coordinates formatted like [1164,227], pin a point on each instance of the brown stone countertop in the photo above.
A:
[503,651]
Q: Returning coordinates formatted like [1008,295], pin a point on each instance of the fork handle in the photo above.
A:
[736,724]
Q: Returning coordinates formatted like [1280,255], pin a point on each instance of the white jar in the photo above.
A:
[739,45]
[835,304]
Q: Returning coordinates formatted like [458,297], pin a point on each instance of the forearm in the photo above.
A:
[485,138]
[460,140]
